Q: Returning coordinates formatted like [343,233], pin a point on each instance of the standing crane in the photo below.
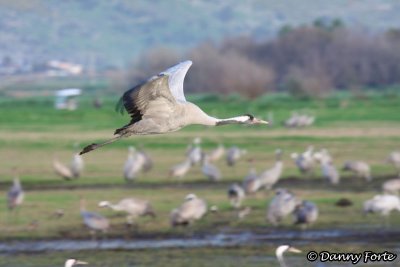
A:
[95,222]
[191,210]
[132,206]
[270,177]
[15,196]
[159,106]
[283,204]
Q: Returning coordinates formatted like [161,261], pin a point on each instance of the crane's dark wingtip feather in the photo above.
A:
[119,107]
[88,148]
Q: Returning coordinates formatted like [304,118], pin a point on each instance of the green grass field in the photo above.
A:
[32,132]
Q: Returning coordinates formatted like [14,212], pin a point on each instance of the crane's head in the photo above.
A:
[250,119]
[103,204]
[190,197]
[73,262]
[281,249]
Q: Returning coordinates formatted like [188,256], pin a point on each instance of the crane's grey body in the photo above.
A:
[306,213]
[359,168]
[15,195]
[179,170]
[210,171]
[270,177]
[217,153]
[95,222]
[159,106]
[192,209]
[329,171]
[394,159]
[283,204]
[391,186]
[133,206]
[305,161]
[383,204]
[251,183]
[233,155]
[236,195]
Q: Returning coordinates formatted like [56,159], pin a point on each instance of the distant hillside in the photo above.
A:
[112,33]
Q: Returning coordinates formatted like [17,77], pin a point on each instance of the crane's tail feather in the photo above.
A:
[94,146]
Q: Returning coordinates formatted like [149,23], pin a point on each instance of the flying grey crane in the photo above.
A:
[133,206]
[192,209]
[270,177]
[74,262]
[210,170]
[359,168]
[159,106]
[282,249]
[234,154]
[236,195]
[391,186]
[305,213]
[95,222]
[15,196]
[283,204]
[394,159]
[329,172]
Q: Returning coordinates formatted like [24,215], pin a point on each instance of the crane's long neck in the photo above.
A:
[197,116]
[279,255]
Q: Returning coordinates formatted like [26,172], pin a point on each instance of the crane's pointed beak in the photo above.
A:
[259,121]
[81,262]
[295,250]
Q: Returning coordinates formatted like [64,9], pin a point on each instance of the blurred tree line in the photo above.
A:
[307,60]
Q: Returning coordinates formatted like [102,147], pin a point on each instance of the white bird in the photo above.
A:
[270,177]
[251,183]
[217,153]
[391,186]
[73,262]
[282,249]
[283,204]
[192,209]
[329,172]
[236,195]
[210,170]
[234,154]
[394,159]
[359,168]
[15,196]
[133,206]
[180,170]
[159,106]
[383,204]
[305,213]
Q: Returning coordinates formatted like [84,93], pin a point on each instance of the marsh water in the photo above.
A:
[224,249]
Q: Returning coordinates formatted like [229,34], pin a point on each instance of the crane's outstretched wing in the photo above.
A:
[149,99]
[176,76]
[157,96]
